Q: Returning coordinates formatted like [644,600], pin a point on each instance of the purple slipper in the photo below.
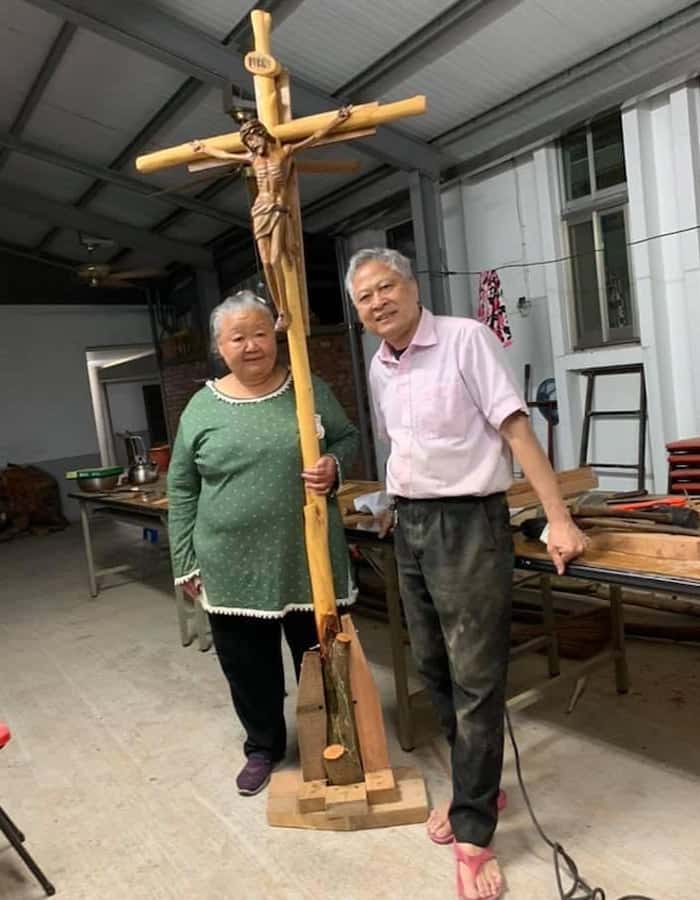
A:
[254,775]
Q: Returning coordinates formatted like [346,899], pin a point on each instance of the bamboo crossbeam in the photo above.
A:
[368,115]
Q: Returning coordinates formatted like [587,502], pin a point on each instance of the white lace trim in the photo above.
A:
[238,401]
[268,613]
[184,578]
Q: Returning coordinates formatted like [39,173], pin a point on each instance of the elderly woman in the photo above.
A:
[235,499]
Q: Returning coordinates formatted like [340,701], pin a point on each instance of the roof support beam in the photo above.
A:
[46,72]
[194,53]
[426,213]
[39,207]
[9,142]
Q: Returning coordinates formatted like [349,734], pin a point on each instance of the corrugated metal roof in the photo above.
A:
[327,43]
[26,35]
[215,17]
[205,120]
[195,229]
[534,41]
[100,89]
[43,178]
[126,206]
[17,228]
[102,93]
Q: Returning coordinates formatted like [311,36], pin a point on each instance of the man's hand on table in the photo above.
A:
[565,541]
[385,521]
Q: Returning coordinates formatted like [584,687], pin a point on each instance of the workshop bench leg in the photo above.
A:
[622,680]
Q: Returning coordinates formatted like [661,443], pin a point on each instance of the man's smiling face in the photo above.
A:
[386,302]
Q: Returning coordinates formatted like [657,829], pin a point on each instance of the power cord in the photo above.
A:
[564,866]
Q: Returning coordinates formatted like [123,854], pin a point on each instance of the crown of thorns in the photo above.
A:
[253,126]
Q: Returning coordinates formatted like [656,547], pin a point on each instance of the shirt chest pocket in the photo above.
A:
[442,411]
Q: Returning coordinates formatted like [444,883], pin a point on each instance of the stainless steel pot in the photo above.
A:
[96,483]
[143,473]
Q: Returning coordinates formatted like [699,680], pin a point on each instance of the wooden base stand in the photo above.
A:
[293,803]
[326,792]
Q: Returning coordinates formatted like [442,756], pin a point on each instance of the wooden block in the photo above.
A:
[658,546]
[410,808]
[381,786]
[346,800]
[570,481]
[311,717]
[369,720]
[312,796]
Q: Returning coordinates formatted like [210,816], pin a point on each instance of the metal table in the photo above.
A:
[142,508]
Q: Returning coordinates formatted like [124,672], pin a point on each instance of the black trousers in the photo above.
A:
[250,654]
[455,563]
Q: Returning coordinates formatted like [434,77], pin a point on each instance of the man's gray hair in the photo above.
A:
[392,258]
[235,303]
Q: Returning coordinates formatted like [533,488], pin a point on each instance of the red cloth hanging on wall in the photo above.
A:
[492,310]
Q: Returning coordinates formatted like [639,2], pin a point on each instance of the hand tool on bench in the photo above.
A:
[662,515]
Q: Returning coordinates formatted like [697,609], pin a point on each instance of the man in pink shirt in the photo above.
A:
[446,403]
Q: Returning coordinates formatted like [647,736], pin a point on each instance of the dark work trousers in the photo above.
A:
[455,563]
[250,654]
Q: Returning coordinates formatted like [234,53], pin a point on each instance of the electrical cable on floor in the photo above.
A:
[564,866]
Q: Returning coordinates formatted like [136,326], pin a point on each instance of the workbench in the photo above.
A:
[145,507]
[614,570]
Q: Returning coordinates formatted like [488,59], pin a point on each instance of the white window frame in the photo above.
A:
[591,208]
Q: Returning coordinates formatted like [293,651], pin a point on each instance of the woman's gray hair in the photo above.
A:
[233,304]
[392,258]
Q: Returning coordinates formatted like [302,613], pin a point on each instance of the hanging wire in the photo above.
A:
[557,259]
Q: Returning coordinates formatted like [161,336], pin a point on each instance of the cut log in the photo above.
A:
[368,710]
[311,717]
[666,546]
[341,716]
[341,767]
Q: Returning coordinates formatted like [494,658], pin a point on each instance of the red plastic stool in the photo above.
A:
[15,836]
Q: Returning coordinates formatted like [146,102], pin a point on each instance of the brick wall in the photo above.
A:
[180,381]
[330,358]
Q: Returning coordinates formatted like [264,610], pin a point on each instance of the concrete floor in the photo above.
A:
[121,768]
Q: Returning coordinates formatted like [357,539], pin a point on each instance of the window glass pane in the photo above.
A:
[617,276]
[576,175]
[608,152]
[586,301]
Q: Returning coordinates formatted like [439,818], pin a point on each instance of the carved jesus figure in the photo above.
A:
[272,162]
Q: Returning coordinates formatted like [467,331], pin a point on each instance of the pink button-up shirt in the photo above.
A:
[440,406]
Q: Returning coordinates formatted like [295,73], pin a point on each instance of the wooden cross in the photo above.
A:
[276,220]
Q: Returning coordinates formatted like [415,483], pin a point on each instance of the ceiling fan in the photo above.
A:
[96,274]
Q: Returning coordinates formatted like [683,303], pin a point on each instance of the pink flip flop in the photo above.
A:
[501,803]
[474,864]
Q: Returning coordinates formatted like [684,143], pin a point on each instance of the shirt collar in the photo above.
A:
[425,336]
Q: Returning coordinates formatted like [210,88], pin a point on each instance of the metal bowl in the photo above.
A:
[98,483]
[143,473]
